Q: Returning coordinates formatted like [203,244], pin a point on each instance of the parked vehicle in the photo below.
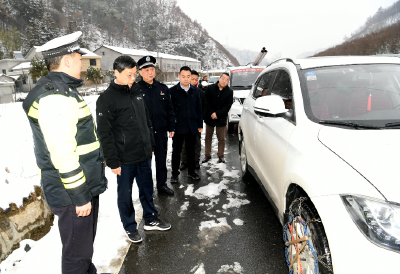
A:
[321,136]
[241,80]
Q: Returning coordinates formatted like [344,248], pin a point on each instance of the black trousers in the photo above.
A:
[178,140]
[77,237]
[144,179]
[160,155]
[197,150]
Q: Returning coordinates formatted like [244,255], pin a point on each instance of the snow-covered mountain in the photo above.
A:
[383,18]
[156,25]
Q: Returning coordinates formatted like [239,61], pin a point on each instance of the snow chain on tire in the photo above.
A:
[294,221]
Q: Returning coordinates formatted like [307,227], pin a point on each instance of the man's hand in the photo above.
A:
[116,171]
[171,134]
[214,116]
[200,130]
[84,210]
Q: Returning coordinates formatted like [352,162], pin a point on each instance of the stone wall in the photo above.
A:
[17,224]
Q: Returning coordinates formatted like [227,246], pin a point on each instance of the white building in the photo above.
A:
[168,63]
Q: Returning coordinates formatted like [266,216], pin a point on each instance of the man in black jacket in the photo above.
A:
[68,153]
[197,149]
[187,106]
[219,98]
[158,102]
[126,135]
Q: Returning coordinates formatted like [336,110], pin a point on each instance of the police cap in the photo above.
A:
[60,46]
[146,62]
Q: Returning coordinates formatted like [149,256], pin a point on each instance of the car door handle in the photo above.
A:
[245,107]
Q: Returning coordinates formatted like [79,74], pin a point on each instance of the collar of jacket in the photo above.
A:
[65,78]
[179,87]
[147,84]
[125,88]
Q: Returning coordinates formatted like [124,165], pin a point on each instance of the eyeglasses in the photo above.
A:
[224,80]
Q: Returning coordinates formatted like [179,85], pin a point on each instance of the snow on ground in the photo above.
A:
[238,222]
[235,268]
[16,146]
[18,171]
[198,269]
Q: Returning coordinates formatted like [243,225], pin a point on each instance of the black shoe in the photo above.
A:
[134,236]
[174,179]
[194,176]
[206,159]
[166,190]
[183,166]
[157,224]
[221,160]
[197,165]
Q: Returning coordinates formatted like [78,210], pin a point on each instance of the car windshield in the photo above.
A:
[361,94]
[244,78]
[213,79]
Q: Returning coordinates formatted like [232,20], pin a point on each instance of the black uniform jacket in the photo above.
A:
[124,125]
[219,102]
[159,105]
[187,107]
[63,180]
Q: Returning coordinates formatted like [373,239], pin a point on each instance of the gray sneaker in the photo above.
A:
[156,224]
[134,236]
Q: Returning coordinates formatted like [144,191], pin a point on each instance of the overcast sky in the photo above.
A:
[290,27]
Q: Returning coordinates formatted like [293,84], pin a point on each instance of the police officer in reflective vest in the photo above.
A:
[158,101]
[68,152]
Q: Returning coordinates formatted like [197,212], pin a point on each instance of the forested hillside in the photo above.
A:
[157,25]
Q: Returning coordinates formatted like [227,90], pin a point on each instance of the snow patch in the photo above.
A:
[238,222]
[198,269]
[235,202]
[235,268]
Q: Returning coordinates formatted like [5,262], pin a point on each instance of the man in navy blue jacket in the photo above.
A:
[187,106]
[158,101]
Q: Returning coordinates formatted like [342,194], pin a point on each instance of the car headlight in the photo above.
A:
[378,220]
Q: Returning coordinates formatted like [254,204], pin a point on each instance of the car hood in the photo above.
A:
[241,93]
[375,154]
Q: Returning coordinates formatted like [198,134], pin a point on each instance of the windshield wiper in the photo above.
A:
[393,124]
[348,124]
[238,86]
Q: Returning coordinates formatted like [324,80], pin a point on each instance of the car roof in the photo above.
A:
[243,67]
[314,62]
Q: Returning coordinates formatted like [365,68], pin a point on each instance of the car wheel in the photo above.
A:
[243,158]
[302,220]
[231,128]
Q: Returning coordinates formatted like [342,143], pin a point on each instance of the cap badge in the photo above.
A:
[148,58]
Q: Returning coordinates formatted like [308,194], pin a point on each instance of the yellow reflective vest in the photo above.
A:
[67,149]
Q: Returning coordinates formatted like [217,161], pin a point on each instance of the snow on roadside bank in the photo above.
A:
[16,153]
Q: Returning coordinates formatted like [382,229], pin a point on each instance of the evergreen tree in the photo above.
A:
[94,74]
[38,68]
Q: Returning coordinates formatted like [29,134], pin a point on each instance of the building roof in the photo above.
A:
[12,78]
[89,53]
[24,65]
[141,52]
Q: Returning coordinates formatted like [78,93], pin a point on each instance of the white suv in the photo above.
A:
[321,136]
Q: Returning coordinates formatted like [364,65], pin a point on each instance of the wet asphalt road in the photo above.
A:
[256,245]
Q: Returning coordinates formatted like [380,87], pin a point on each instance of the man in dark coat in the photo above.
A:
[68,152]
[158,102]
[219,98]
[126,135]
[197,149]
[187,106]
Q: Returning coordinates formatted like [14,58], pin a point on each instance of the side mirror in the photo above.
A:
[204,83]
[270,106]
